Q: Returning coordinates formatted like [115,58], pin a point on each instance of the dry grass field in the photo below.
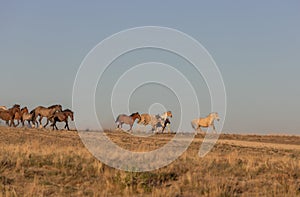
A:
[55,163]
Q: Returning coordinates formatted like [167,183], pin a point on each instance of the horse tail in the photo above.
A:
[117,120]
[193,124]
[21,118]
[32,114]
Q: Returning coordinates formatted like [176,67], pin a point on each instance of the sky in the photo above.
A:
[255,44]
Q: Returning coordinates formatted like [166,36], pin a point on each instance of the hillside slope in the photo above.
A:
[56,163]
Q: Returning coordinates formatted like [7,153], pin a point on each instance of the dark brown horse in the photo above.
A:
[44,112]
[9,115]
[62,117]
[123,118]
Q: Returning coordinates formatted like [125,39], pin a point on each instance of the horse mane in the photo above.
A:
[134,114]
[16,106]
[24,108]
[67,110]
[53,106]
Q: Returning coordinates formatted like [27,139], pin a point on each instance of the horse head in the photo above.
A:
[166,115]
[72,116]
[69,113]
[15,109]
[169,114]
[16,106]
[136,115]
[214,115]
[24,110]
[57,108]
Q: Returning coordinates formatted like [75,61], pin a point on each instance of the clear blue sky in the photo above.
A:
[256,45]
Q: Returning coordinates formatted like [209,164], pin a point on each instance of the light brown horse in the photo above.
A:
[3,108]
[46,112]
[125,119]
[9,115]
[6,116]
[18,116]
[62,117]
[205,122]
[26,116]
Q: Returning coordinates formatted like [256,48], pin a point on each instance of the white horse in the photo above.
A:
[205,122]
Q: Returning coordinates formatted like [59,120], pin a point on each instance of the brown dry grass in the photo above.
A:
[55,163]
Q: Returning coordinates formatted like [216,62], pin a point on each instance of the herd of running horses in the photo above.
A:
[159,122]
[55,114]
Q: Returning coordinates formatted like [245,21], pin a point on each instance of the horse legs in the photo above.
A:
[46,123]
[54,125]
[154,129]
[36,122]
[214,128]
[33,123]
[198,130]
[40,120]
[67,126]
[12,123]
[130,127]
[164,127]
[28,121]
[18,122]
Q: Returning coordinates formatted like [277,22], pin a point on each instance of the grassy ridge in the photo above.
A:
[55,163]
